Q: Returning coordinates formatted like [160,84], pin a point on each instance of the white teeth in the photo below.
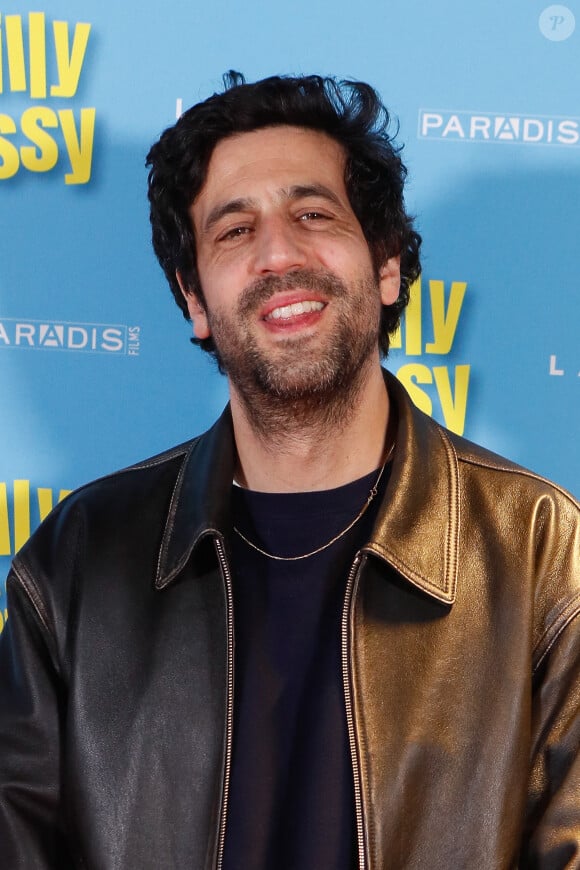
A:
[286,311]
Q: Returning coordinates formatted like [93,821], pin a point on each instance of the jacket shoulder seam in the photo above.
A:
[27,582]
[519,471]
[570,612]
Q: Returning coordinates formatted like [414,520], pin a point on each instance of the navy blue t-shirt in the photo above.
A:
[291,801]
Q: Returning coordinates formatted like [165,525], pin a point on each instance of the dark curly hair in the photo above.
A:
[348,111]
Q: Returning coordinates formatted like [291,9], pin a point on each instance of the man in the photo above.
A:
[327,633]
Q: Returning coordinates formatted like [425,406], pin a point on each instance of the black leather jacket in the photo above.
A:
[461,660]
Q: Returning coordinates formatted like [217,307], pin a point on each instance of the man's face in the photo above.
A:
[291,297]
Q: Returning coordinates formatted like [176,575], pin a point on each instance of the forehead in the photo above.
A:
[265,161]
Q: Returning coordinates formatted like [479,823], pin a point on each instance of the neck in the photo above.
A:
[308,445]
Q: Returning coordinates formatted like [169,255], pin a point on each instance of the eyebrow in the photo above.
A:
[243,203]
[303,191]
[222,209]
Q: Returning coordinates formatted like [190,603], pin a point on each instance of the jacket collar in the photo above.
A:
[417,530]
[200,502]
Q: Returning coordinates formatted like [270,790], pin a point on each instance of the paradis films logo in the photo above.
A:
[464,126]
[49,335]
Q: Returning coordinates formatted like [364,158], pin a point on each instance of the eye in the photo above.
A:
[313,215]
[233,233]
[314,219]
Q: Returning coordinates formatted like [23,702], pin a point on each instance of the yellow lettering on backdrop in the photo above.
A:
[79,147]
[21,513]
[9,160]
[444,320]
[44,157]
[413,328]
[454,406]
[412,319]
[453,402]
[15,45]
[4,525]
[41,151]
[69,65]
[37,46]
[444,323]
[45,502]
[411,374]
[415,376]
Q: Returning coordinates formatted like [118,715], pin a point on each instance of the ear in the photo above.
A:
[390,280]
[196,310]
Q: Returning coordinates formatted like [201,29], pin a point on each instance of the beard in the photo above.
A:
[304,380]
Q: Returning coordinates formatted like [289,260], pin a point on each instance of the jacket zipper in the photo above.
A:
[229,698]
[346,676]
[347,683]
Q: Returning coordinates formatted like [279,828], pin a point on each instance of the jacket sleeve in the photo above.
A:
[31,711]
[553,836]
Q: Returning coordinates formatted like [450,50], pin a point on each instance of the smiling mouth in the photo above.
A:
[295,309]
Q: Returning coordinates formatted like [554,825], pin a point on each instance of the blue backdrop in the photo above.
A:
[96,369]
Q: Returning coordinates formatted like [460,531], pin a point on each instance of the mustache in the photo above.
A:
[263,289]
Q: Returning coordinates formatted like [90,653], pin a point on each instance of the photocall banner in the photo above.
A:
[96,367]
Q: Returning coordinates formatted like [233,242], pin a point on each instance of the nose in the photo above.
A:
[278,249]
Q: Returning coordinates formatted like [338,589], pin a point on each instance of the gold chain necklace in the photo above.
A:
[370,497]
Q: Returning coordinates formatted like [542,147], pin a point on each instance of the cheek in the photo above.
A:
[350,254]
[220,281]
